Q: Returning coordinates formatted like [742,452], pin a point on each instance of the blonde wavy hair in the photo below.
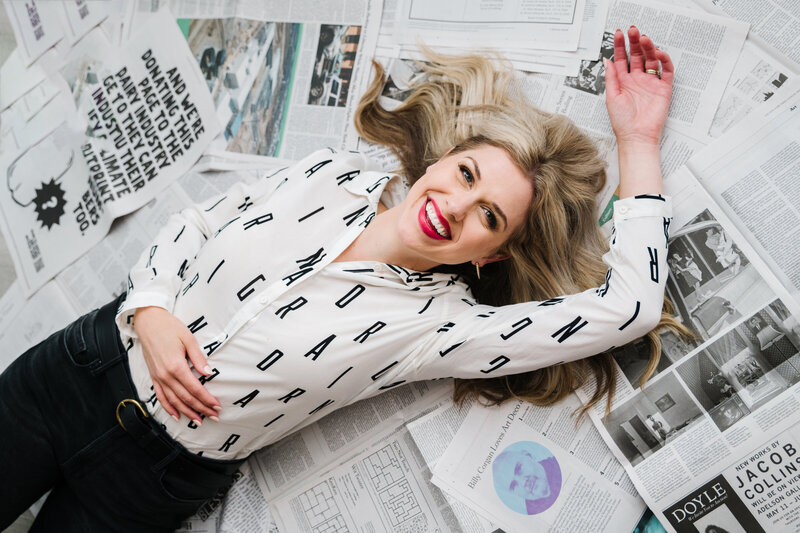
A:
[473,100]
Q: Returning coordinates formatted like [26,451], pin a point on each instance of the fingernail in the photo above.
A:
[207,370]
[632,26]
[214,418]
[217,408]
[197,422]
[176,418]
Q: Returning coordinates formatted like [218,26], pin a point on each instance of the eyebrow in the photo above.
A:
[494,205]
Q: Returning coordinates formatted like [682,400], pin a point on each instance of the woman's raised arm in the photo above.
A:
[638,102]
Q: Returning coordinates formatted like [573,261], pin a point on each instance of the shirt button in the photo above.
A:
[623,209]
[263,299]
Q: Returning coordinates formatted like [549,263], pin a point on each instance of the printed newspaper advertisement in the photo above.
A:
[711,440]
[122,125]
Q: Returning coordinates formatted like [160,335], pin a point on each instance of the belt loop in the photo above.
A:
[164,463]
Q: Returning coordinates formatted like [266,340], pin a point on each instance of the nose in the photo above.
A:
[458,205]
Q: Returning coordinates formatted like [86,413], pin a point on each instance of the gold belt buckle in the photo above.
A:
[122,403]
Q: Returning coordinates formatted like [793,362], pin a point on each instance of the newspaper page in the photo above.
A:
[753,173]
[774,24]
[36,27]
[709,441]
[382,484]
[529,468]
[547,25]
[241,510]
[521,57]
[143,117]
[309,451]
[756,78]
[285,77]
[432,434]
[24,323]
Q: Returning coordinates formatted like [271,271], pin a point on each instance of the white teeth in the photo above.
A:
[433,217]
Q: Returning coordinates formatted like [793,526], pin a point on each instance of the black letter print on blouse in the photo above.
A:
[551,301]
[292,306]
[518,326]
[347,176]
[294,394]
[351,295]
[327,403]
[319,348]
[191,283]
[312,213]
[270,360]
[256,221]
[653,263]
[377,375]
[667,222]
[374,328]
[602,290]
[442,353]
[305,265]
[569,329]
[316,167]
[205,379]
[230,442]
[497,362]
[246,399]
[152,253]
[631,319]
[247,290]
[352,217]
[197,324]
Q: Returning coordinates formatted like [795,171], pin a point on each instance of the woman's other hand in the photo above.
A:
[166,344]
[638,101]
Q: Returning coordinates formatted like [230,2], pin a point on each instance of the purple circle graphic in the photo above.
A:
[527,477]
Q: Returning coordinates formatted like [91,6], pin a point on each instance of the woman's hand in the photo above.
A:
[166,343]
[638,102]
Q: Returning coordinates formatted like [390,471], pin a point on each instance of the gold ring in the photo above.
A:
[122,403]
[651,71]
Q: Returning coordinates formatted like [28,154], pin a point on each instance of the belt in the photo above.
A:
[132,415]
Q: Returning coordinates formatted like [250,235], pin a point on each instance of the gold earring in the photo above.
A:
[478,270]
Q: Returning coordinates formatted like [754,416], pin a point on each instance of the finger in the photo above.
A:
[196,356]
[649,51]
[612,83]
[175,400]
[191,383]
[162,399]
[201,400]
[667,68]
[620,55]
[637,57]
[192,393]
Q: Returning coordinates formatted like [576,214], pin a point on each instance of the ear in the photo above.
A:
[492,259]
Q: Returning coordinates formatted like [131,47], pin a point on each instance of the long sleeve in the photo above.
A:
[485,341]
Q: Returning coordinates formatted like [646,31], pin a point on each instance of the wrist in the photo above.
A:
[638,144]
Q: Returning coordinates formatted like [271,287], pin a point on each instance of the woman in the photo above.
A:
[322,284]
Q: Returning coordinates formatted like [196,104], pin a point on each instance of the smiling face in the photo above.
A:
[464,208]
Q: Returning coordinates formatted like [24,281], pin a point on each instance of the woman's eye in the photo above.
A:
[491,219]
[467,173]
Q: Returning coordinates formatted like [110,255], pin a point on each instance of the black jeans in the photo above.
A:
[58,420]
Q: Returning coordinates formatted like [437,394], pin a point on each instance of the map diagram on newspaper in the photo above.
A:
[394,490]
[320,508]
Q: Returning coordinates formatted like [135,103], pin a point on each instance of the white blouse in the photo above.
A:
[291,335]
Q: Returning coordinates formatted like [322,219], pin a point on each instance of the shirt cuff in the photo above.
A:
[643,205]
